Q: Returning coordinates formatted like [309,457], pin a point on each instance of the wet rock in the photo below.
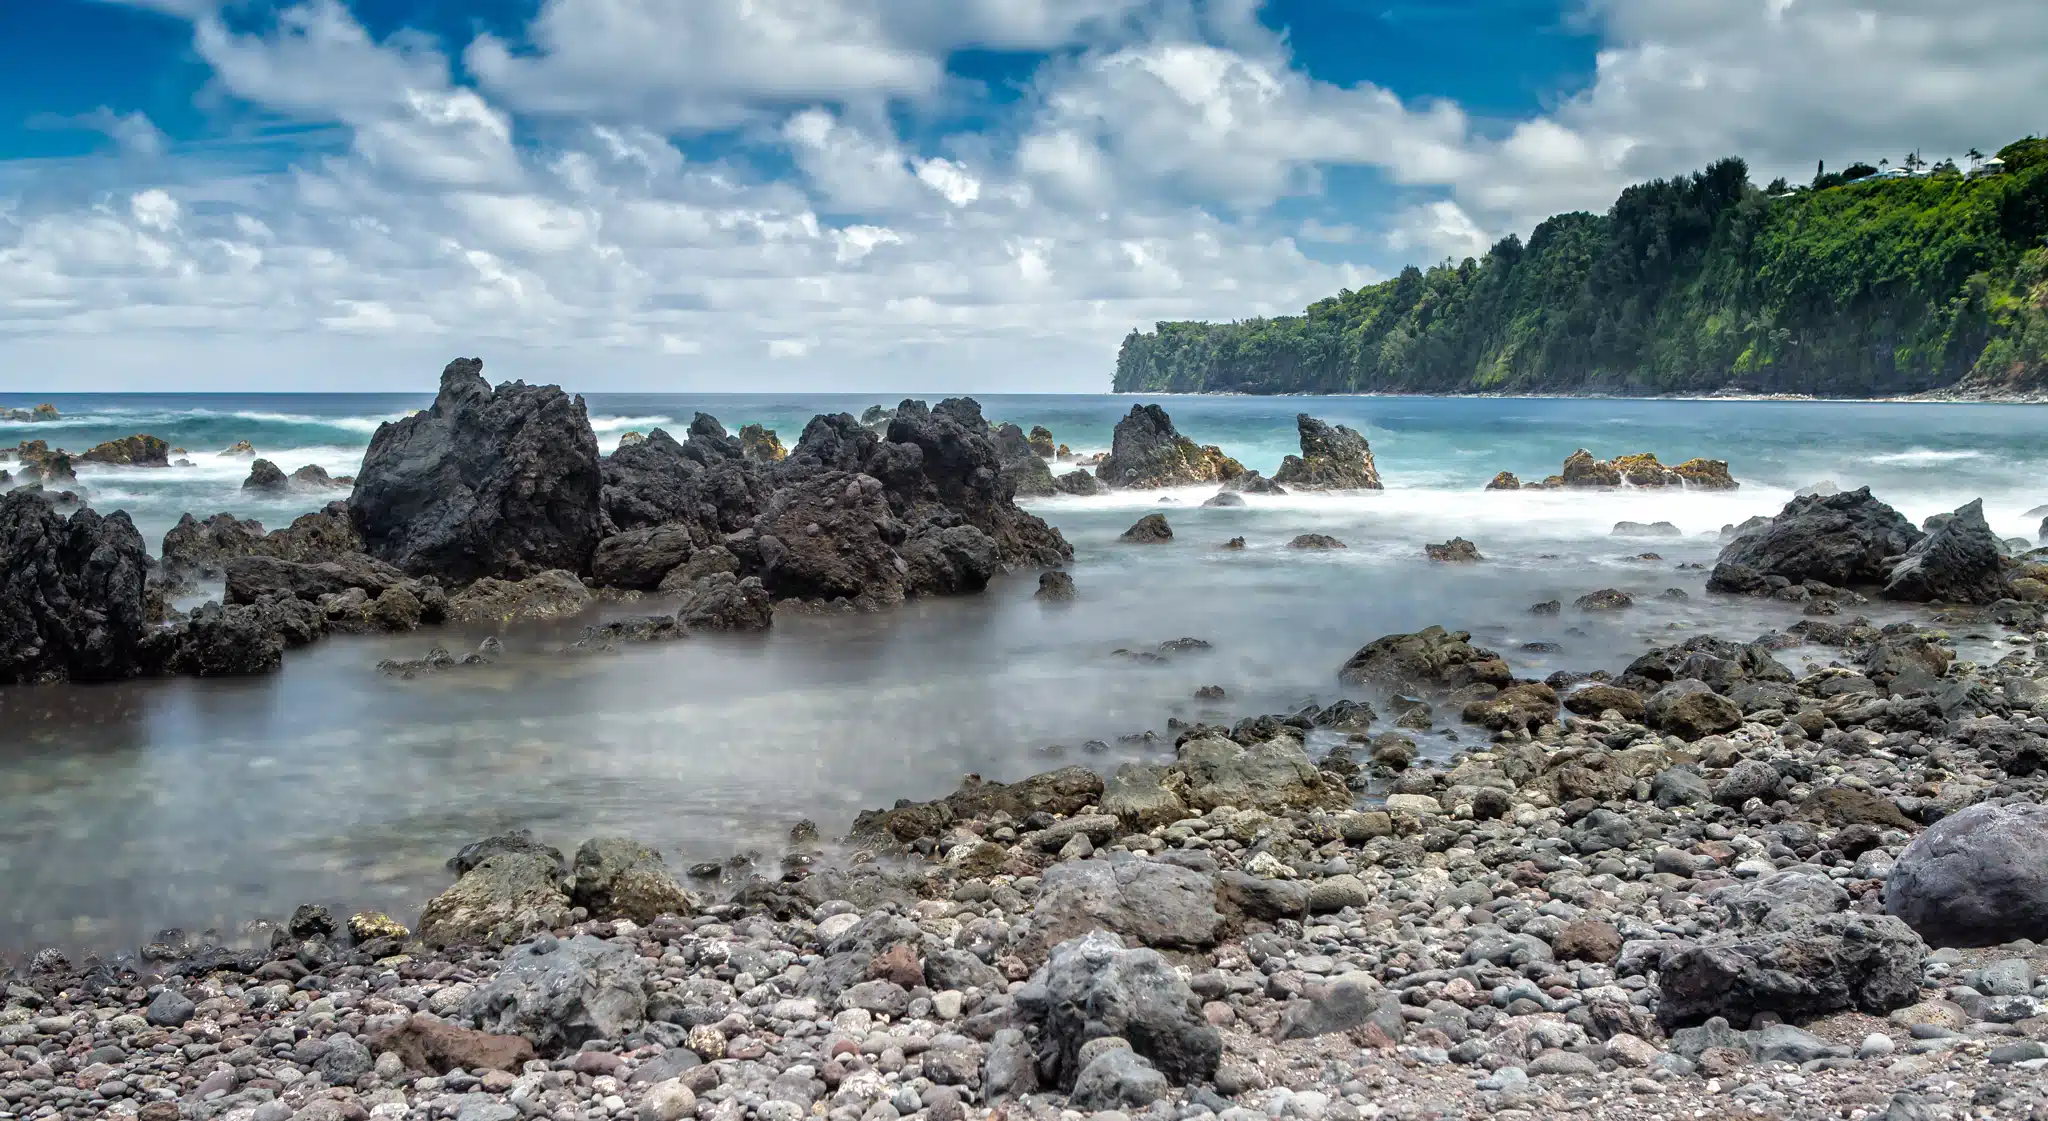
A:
[1596,698]
[1332,458]
[1588,940]
[1042,444]
[1960,562]
[266,477]
[1092,988]
[1843,539]
[719,602]
[1223,499]
[129,451]
[1147,453]
[1518,707]
[193,549]
[170,1009]
[1275,775]
[1137,794]
[546,595]
[503,897]
[1428,660]
[1455,551]
[1690,710]
[71,594]
[1149,530]
[640,558]
[1722,665]
[315,477]
[1148,902]
[562,993]
[1606,599]
[1315,541]
[620,878]
[1080,482]
[1976,877]
[1055,586]
[1640,529]
[1024,469]
[1642,469]
[487,483]
[1504,480]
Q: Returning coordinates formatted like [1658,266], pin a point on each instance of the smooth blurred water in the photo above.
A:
[130,807]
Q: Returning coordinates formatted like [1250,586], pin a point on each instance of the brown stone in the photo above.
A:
[429,1043]
[899,964]
[1588,940]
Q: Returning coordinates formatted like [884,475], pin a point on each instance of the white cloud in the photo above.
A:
[133,132]
[1168,160]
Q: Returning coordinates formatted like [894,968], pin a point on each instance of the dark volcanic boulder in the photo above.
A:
[39,464]
[1041,441]
[1455,551]
[231,641]
[71,602]
[1331,459]
[1960,562]
[1146,452]
[1148,530]
[266,477]
[488,482]
[1722,664]
[1690,710]
[1079,481]
[958,474]
[1844,539]
[722,602]
[327,534]
[1431,659]
[639,558]
[1025,469]
[1976,877]
[193,549]
[705,484]
[254,578]
[130,451]
[1801,964]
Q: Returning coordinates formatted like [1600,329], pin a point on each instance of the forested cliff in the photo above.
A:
[1700,283]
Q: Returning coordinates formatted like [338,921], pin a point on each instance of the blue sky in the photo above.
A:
[970,194]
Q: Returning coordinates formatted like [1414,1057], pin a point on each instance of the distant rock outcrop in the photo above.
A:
[130,451]
[1147,453]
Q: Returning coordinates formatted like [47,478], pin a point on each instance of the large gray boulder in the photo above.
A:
[1977,877]
[505,896]
[1960,562]
[620,878]
[1092,987]
[1690,710]
[1332,458]
[1844,539]
[71,602]
[488,482]
[561,994]
[1151,903]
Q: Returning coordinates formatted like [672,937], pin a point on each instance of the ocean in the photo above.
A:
[203,804]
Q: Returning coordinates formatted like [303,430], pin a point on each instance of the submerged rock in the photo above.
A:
[1023,467]
[620,878]
[266,477]
[1455,551]
[503,897]
[1080,482]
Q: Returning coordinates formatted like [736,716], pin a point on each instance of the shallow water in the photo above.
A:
[127,808]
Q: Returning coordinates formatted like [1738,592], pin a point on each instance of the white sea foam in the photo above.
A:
[1919,456]
[607,425]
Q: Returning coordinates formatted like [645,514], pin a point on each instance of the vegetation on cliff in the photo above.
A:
[1693,284]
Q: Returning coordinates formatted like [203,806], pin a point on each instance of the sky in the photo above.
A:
[931,195]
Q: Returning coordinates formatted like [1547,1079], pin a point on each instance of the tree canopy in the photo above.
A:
[1690,284]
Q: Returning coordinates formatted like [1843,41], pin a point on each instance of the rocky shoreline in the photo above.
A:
[1699,884]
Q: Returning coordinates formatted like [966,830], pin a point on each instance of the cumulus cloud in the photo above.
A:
[558,197]
[133,132]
